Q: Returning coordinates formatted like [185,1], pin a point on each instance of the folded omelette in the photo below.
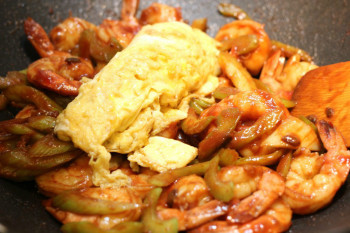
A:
[138,94]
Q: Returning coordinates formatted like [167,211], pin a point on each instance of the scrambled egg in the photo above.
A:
[174,154]
[140,92]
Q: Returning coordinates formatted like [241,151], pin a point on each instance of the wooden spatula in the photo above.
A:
[325,93]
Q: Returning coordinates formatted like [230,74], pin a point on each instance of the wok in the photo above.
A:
[320,27]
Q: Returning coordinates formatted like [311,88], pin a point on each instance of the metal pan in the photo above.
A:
[320,27]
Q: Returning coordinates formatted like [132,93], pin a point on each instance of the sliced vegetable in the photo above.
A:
[222,191]
[21,129]
[227,157]
[149,218]
[75,201]
[241,45]
[90,45]
[168,177]
[231,10]
[235,71]
[226,121]
[289,50]
[308,122]
[42,123]
[222,92]
[200,24]
[26,94]
[13,78]
[288,103]
[262,126]
[20,159]
[262,86]
[264,160]
[49,145]
[193,125]
[198,105]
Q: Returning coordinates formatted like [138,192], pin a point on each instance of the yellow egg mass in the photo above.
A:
[137,94]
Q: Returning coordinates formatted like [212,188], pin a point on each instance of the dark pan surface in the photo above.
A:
[320,27]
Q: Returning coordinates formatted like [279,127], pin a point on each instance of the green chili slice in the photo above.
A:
[288,103]
[262,126]
[26,94]
[192,125]
[231,10]
[200,24]
[263,160]
[75,201]
[308,122]
[168,177]
[222,92]
[222,191]
[241,45]
[44,124]
[20,159]
[13,78]
[49,145]
[289,50]
[149,218]
[227,121]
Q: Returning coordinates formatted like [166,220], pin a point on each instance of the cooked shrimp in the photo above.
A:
[56,71]
[65,36]
[283,77]
[129,10]
[276,219]
[256,186]
[254,60]
[313,180]
[76,176]
[60,73]
[189,201]
[252,104]
[98,195]
[259,115]
[186,193]
[123,30]
[194,217]
[157,13]
[38,38]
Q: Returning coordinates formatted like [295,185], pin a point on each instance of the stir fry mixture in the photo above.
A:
[150,125]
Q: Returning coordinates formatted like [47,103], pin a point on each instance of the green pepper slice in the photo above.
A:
[149,218]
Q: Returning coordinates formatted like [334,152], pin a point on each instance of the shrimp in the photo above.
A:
[252,104]
[257,187]
[77,175]
[57,71]
[313,180]
[254,60]
[104,221]
[277,218]
[157,13]
[65,36]
[123,30]
[260,113]
[186,193]
[282,77]
[189,201]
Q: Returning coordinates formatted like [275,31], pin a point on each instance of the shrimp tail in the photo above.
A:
[55,82]
[38,38]
[331,138]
